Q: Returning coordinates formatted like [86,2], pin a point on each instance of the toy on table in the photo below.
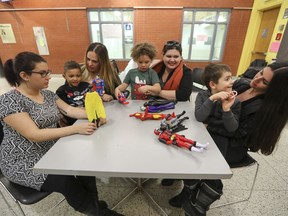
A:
[122,99]
[98,86]
[172,123]
[169,138]
[146,115]
[94,108]
[158,105]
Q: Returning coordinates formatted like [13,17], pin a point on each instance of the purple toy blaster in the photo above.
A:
[155,106]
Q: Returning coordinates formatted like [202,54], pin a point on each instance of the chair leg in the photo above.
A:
[246,199]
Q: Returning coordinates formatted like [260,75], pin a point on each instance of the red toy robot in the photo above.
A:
[168,138]
[154,116]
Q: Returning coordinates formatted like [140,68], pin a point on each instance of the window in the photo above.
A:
[204,33]
[113,28]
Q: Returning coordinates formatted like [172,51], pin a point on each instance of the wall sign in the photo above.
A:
[7,34]
[41,40]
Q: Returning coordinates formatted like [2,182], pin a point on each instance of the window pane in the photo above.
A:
[128,40]
[112,38]
[219,41]
[203,35]
[128,16]
[205,16]
[111,16]
[93,16]
[95,33]
[188,16]
[186,40]
[223,17]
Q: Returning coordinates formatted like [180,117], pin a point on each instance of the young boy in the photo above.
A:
[142,79]
[219,110]
[217,107]
[73,91]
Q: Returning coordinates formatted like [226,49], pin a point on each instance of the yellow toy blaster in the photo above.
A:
[94,108]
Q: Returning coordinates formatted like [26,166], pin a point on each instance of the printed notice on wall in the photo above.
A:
[274,47]
[7,34]
[41,40]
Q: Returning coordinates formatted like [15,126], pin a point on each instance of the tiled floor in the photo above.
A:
[269,197]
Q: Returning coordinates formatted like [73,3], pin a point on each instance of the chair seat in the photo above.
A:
[23,194]
[246,161]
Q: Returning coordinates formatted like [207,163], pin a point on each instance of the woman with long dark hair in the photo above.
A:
[97,64]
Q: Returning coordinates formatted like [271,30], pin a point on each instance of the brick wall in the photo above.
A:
[68,35]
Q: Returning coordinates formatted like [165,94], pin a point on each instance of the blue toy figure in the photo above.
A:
[98,86]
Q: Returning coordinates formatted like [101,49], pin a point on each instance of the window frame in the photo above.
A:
[216,23]
[125,56]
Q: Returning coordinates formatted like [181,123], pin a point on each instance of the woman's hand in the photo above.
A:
[85,128]
[107,98]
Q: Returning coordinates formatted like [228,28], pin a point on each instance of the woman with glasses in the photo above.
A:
[29,115]
[97,64]
[175,77]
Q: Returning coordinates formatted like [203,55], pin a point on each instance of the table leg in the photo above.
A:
[139,187]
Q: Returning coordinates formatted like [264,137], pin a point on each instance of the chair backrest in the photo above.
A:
[197,77]
[115,66]
[197,74]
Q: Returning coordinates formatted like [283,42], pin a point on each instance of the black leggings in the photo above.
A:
[79,191]
[216,184]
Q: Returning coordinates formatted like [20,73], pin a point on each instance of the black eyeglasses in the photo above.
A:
[173,43]
[42,73]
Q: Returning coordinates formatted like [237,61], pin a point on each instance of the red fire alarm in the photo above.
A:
[278,36]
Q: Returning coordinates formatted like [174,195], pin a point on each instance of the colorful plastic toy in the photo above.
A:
[98,86]
[122,99]
[146,115]
[158,106]
[172,124]
[169,138]
[94,108]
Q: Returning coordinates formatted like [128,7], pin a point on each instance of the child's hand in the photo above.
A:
[102,121]
[220,96]
[107,98]
[226,104]
[144,89]
[117,92]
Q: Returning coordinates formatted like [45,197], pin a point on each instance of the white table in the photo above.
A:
[127,147]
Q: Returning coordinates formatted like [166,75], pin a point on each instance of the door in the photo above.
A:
[265,32]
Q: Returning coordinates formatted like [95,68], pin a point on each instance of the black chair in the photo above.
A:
[247,161]
[254,68]
[21,194]
[198,82]
[115,66]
